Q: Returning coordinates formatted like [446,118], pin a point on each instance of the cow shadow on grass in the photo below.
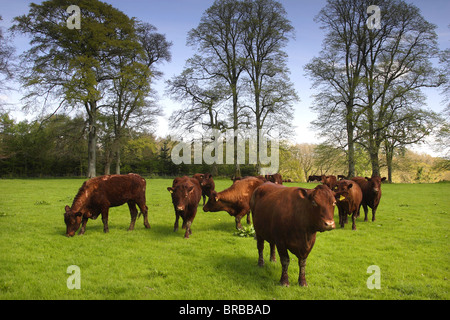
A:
[243,271]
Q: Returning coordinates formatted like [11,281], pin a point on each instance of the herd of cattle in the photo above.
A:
[286,217]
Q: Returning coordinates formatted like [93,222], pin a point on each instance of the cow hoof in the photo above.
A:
[303,284]
[284,284]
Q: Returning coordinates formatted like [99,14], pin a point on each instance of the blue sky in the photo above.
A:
[175,18]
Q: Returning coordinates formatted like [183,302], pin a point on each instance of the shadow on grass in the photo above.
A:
[243,271]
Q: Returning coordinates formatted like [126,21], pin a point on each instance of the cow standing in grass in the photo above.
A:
[235,200]
[98,194]
[371,190]
[186,194]
[349,197]
[288,218]
[206,183]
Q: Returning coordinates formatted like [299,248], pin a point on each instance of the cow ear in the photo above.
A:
[67,208]
[350,185]
[170,189]
[303,193]
[368,179]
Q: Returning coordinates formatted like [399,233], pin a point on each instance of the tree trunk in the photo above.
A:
[237,167]
[350,142]
[92,143]
[118,160]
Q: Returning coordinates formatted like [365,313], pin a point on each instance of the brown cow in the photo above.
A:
[349,197]
[235,200]
[371,189]
[329,181]
[206,183]
[288,218]
[275,178]
[98,194]
[186,194]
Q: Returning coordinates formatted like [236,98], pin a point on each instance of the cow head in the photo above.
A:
[342,190]
[72,220]
[207,178]
[375,184]
[322,200]
[213,204]
[180,195]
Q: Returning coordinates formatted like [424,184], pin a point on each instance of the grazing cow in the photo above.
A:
[275,178]
[288,218]
[98,194]
[186,194]
[235,200]
[206,183]
[329,181]
[349,197]
[371,189]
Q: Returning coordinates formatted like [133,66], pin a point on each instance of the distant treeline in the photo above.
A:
[56,146]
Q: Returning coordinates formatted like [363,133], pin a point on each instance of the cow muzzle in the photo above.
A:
[329,225]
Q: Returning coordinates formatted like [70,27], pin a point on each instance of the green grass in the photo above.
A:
[409,242]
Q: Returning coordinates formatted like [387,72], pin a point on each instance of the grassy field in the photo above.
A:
[408,242]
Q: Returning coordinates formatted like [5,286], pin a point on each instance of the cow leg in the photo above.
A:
[374,210]
[284,259]
[133,213]
[273,257]
[238,218]
[238,222]
[248,218]
[175,226]
[105,214]
[204,198]
[302,273]
[354,221]
[260,246]
[188,229]
[83,226]
[366,211]
[144,212]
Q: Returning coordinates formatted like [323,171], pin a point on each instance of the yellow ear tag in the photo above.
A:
[341,198]
[171,191]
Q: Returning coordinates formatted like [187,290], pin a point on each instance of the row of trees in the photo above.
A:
[238,78]
[104,69]
[58,146]
[368,80]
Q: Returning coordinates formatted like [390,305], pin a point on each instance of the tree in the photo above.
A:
[218,38]
[364,73]
[266,31]
[337,72]
[396,68]
[128,97]
[69,67]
